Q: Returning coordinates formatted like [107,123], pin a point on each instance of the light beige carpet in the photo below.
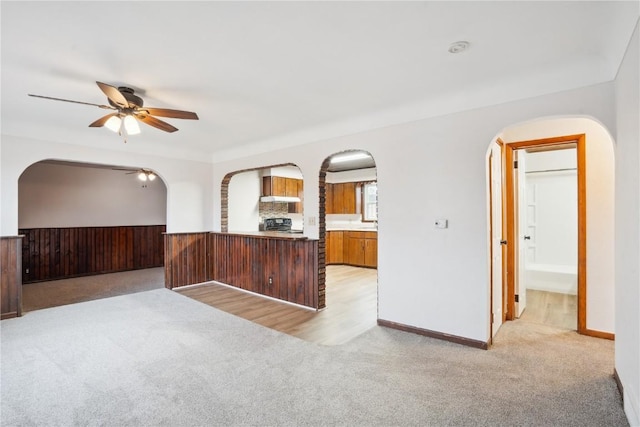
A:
[158,358]
[36,296]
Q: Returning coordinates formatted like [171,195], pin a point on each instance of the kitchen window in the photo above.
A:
[370,201]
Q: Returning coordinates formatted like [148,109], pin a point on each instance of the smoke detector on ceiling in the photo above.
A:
[459,46]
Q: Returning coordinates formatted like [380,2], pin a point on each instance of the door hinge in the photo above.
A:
[517,298]
[515,164]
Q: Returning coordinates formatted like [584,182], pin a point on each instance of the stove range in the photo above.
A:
[277,224]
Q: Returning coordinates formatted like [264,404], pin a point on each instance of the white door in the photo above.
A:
[495,165]
[530,234]
[523,237]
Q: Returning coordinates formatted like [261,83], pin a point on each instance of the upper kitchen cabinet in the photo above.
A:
[279,186]
[341,198]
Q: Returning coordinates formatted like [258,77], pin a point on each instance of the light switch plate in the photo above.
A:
[312,220]
[442,223]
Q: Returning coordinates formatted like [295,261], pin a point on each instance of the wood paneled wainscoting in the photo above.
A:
[186,259]
[56,253]
[280,267]
[10,276]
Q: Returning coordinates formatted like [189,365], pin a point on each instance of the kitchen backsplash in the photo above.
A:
[272,210]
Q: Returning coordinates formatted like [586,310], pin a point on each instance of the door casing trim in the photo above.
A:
[511,223]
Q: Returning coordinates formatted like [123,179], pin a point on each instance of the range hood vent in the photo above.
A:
[279,199]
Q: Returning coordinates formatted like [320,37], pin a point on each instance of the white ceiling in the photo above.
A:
[266,74]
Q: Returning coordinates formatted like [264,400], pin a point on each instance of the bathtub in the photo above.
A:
[552,278]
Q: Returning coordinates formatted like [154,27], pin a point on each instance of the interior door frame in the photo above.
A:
[511,220]
[492,248]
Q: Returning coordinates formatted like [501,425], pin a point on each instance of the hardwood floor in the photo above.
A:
[351,306]
[351,301]
[552,309]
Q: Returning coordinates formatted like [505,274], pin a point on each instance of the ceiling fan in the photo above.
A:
[128,110]
[143,174]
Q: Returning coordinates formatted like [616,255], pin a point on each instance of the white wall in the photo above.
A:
[434,168]
[627,233]
[244,196]
[284,171]
[600,208]
[189,189]
[55,195]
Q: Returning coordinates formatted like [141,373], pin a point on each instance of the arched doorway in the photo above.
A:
[348,225]
[514,273]
[255,177]
[90,231]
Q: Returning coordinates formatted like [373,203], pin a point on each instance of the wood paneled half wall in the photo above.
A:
[10,276]
[56,253]
[283,268]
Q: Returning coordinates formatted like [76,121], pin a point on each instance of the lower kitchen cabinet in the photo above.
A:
[371,252]
[357,248]
[334,244]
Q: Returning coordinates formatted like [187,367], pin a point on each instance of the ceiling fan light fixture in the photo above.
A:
[128,110]
[114,124]
[131,125]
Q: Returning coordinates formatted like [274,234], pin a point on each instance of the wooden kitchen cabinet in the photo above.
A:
[295,188]
[337,205]
[349,198]
[274,186]
[291,187]
[341,198]
[281,186]
[329,196]
[334,247]
[357,248]
[371,252]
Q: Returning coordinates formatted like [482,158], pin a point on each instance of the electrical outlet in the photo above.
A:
[270,280]
[312,220]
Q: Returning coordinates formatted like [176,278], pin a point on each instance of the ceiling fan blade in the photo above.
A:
[102,120]
[152,121]
[113,94]
[176,114]
[106,107]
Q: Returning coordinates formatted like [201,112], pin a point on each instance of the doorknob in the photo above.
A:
[527,237]
[503,242]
